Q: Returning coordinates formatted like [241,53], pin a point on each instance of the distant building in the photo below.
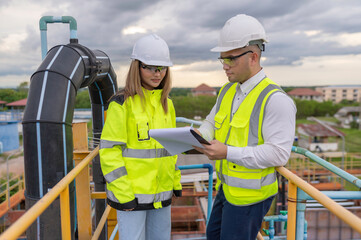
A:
[2,104]
[346,115]
[338,93]
[318,138]
[204,89]
[306,94]
[20,104]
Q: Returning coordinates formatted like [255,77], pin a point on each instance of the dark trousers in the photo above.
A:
[229,222]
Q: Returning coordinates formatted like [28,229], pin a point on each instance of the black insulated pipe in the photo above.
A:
[47,125]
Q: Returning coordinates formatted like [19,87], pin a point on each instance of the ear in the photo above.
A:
[254,59]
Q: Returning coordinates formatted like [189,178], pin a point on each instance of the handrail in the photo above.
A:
[20,182]
[62,189]
[16,229]
[341,212]
[345,175]
[101,223]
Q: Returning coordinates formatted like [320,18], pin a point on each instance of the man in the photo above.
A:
[251,130]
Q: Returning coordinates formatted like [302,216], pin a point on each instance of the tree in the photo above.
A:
[82,99]
[189,106]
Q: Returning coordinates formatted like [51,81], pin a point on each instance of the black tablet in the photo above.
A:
[199,137]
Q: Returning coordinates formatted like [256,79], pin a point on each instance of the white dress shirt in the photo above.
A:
[278,129]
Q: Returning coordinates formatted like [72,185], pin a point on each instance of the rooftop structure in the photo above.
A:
[316,137]
[204,89]
[337,93]
[306,94]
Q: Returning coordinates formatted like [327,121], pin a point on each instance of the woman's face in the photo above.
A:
[151,76]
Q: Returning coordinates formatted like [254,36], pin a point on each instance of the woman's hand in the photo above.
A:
[128,210]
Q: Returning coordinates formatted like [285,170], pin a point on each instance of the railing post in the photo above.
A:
[112,223]
[292,207]
[65,214]
[82,181]
[301,208]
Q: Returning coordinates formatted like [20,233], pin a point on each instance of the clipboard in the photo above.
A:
[178,140]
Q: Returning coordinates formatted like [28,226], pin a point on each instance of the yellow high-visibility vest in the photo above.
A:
[138,171]
[243,186]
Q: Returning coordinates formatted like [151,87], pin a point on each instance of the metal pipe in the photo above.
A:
[186,120]
[51,19]
[114,232]
[331,205]
[301,208]
[343,174]
[338,195]
[210,183]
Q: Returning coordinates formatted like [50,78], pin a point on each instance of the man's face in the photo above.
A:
[237,64]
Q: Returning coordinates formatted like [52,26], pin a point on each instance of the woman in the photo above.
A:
[141,175]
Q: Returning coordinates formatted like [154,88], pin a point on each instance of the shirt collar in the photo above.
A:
[248,85]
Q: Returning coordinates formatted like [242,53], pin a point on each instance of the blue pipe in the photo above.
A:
[272,220]
[338,195]
[114,233]
[186,120]
[51,19]
[343,174]
[300,216]
[210,183]
[305,231]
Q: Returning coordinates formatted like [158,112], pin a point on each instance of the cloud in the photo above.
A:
[298,30]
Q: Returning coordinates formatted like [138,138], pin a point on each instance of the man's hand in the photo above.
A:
[215,151]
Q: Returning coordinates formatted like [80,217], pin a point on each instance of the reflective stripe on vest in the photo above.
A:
[150,198]
[145,198]
[247,183]
[136,153]
[243,187]
[254,121]
[109,144]
[145,153]
[114,175]
[221,95]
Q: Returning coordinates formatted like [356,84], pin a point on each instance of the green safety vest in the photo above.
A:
[243,186]
[138,171]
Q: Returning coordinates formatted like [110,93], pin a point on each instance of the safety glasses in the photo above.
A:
[153,69]
[230,61]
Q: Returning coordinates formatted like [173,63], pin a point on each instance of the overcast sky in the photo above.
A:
[311,42]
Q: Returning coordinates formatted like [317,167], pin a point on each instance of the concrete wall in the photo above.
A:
[323,224]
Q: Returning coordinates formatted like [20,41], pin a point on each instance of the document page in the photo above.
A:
[177,140]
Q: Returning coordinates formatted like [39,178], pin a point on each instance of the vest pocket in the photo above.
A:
[237,168]
[243,182]
[142,126]
[219,119]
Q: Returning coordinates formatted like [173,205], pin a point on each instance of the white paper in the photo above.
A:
[175,140]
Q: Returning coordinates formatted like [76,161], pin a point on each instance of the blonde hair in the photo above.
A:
[133,85]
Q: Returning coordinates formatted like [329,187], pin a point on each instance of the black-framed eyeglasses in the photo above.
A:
[153,69]
[231,60]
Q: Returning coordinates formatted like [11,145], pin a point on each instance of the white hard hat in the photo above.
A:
[238,32]
[152,50]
